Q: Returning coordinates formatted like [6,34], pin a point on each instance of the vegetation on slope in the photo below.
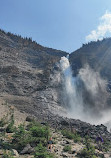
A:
[34,136]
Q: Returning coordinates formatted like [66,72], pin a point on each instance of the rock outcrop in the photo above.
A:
[25,69]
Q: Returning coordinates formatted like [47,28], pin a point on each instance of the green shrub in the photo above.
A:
[19,132]
[19,137]
[39,131]
[7,154]
[6,145]
[22,137]
[105,146]
[77,138]
[10,128]
[42,153]
[34,135]
[67,148]
[88,151]
[33,123]
[3,121]
[67,134]
[70,135]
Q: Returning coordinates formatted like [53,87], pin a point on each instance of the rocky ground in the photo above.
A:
[60,141]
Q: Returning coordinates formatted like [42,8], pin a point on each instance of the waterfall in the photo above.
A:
[72,98]
[85,95]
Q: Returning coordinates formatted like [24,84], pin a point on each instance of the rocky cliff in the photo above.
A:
[25,78]
[25,69]
[96,54]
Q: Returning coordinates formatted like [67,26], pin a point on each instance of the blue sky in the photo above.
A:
[60,24]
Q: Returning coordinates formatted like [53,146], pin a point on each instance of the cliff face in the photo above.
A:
[25,69]
[96,54]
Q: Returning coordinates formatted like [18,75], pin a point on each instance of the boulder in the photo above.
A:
[27,150]
[2,129]
[1,152]
[15,153]
[29,118]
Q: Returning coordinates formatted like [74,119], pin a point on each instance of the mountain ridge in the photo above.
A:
[26,66]
[97,54]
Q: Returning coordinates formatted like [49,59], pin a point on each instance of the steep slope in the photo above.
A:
[96,54]
[25,69]
[25,148]
[25,83]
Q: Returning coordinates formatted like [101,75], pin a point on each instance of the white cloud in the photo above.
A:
[103,28]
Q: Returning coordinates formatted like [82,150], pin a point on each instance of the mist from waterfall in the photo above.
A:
[85,95]
[71,98]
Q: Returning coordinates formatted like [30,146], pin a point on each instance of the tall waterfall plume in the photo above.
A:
[85,95]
